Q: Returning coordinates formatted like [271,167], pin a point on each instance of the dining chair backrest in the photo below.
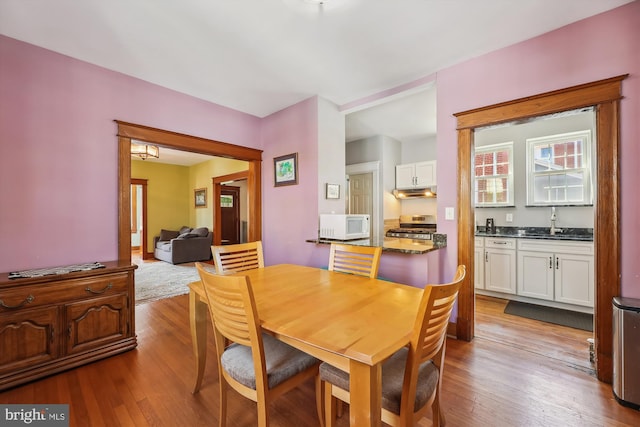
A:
[256,365]
[417,366]
[353,259]
[236,258]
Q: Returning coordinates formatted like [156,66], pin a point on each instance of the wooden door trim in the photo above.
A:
[163,138]
[217,209]
[605,96]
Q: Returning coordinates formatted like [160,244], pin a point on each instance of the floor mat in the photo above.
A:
[572,319]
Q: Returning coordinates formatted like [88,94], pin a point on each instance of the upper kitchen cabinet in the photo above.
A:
[416,175]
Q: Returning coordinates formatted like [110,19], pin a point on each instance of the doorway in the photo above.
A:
[230,212]
[605,96]
[138,200]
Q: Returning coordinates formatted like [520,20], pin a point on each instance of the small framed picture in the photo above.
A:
[285,170]
[333,191]
[200,197]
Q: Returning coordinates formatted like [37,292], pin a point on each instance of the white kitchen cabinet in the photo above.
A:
[560,271]
[416,175]
[500,264]
[535,274]
[478,263]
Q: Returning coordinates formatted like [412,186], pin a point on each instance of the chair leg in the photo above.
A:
[437,414]
[222,422]
[320,400]
[329,406]
[263,413]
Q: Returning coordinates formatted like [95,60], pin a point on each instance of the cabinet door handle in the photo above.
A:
[106,288]
[550,262]
[557,263]
[27,300]
[486,257]
[52,335]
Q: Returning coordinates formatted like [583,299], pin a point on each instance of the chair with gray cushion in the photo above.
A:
[253,363]
[184,245]
[411,377]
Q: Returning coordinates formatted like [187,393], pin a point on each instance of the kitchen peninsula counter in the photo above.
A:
[393,244]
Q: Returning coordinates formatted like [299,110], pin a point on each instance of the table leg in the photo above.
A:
[198,323]
[365,394]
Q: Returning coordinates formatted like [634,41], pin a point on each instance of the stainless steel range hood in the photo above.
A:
[415,193]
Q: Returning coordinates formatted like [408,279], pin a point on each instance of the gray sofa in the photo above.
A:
[184,245]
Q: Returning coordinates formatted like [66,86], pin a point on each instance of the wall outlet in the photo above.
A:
[448,213]
[509,217]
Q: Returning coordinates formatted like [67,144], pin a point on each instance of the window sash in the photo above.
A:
[493,175]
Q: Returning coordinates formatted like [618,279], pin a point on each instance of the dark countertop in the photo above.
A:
[392,244]
[541,233]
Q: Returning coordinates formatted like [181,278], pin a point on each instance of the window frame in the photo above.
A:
[585,169]
[494,148]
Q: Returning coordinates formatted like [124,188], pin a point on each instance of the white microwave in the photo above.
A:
[344,226]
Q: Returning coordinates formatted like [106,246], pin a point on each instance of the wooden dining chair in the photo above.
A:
[240,257]
[361,260]
[255,364]
[411,377]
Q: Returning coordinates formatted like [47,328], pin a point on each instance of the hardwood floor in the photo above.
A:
[504,378]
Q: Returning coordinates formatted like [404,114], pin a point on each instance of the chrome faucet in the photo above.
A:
[553,230]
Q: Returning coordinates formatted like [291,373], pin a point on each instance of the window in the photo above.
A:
[558,169]
[493,166]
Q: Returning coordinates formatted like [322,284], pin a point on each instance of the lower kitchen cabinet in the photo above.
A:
[500,264]
[52,323]
[561,271]
[478,263]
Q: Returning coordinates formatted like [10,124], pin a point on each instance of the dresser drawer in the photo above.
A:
[28,296]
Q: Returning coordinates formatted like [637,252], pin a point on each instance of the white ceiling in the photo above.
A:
[259,56]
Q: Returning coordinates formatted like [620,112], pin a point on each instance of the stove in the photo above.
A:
[419,227]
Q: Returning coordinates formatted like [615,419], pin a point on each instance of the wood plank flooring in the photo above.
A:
[514,373]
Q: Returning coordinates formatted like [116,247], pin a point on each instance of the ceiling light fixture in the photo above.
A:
[145,151]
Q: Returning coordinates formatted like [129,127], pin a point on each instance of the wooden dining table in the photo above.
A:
[351,322]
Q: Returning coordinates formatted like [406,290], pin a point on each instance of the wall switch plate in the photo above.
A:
[509,217]
[448,213]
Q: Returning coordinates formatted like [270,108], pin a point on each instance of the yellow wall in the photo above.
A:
[170,192]
[167,196]
[200,176]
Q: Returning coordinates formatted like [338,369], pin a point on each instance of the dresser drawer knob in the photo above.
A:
[106,288]
[26,301]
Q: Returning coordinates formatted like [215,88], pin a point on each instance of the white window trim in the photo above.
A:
[510,185]
[587,194]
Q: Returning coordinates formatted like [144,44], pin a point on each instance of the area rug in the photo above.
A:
[572,319]
[158,280]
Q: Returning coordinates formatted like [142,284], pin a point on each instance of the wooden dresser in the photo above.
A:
[52,323]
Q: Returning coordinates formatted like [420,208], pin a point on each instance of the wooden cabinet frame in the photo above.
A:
[605,96]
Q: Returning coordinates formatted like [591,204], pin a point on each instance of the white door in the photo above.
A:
[361,195]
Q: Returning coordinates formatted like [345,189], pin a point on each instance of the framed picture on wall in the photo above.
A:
[333,191]
[200,197]
[285,170]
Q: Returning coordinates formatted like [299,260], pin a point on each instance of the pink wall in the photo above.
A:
[597,48]
[58,151]
[290,213]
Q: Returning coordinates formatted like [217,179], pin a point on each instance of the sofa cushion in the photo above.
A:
[184,229]
[200,231]
[168,234]
[164,246]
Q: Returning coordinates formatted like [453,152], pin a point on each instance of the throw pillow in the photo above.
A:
[187,236]
[184,229]
[201,231]
[166,235]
